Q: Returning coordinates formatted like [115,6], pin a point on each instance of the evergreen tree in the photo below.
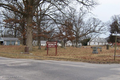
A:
[114,27]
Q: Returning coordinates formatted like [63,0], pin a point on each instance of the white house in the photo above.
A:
[59,44]
[9,41]
[43,43]
[98,41]
[68,43]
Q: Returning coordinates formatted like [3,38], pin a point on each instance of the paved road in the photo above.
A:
[22,69]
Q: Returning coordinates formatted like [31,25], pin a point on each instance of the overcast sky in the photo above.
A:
[106,9]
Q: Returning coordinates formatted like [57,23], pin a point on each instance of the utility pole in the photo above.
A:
[115,34]
[115,46]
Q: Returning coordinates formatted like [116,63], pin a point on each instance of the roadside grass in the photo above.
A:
[83,54]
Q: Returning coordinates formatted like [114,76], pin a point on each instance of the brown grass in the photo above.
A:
[68,54]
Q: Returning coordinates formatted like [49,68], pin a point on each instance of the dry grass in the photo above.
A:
[69,54]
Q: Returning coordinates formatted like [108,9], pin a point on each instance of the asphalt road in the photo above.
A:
[23,69]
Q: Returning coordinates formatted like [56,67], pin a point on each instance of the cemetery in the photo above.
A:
[92,54]
[27,25]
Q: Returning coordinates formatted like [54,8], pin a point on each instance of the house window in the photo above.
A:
[1,42]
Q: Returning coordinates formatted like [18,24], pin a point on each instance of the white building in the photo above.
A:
[9,41]
[68,43]
[43,43]
[98,41]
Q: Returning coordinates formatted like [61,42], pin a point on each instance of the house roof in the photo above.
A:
[8,39]
[1,39]
[101,40]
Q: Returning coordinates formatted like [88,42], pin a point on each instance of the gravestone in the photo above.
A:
[107,47]
[111,46]
[95,50]
[100,49]
[26,50]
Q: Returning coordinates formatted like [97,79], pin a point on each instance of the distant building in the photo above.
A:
[98,41]
[43,43]
[9,41]
[68,43]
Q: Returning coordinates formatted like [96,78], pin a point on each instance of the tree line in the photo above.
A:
[50,19]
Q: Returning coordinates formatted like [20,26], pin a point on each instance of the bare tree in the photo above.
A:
[15,23]
[82,27]
[65,32]
[30,6]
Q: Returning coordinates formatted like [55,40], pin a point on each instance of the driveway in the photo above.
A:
[26,69]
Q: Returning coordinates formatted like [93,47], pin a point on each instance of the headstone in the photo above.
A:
[27,50]
[94,50]
[107,47]
[100,49]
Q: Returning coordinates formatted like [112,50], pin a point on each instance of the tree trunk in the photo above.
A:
[39,32]
[77,38]
[72,43]
[24,38]
[24,41]
[77,41]
[62,46]
[39,42]
[29,33]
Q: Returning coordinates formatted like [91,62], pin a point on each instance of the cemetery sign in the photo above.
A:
[51,45]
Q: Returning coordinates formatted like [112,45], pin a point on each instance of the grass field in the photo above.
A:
[83,54]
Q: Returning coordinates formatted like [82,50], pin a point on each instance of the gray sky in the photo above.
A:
[106,9]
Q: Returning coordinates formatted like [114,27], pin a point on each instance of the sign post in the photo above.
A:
[115,34]
[52,45]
